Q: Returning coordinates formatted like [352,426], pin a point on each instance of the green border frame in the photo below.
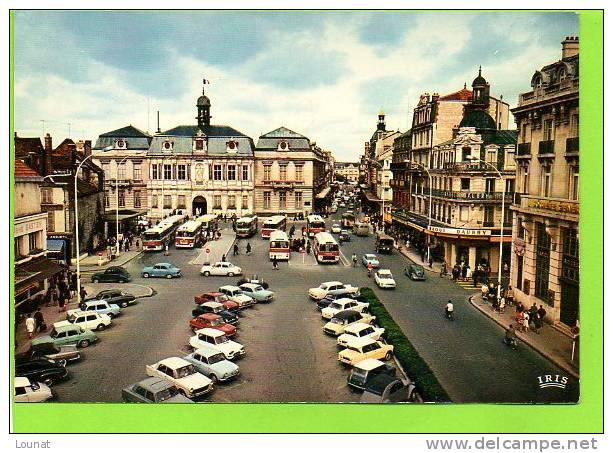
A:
[585,417]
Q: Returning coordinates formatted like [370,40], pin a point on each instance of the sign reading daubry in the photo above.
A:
[460,231]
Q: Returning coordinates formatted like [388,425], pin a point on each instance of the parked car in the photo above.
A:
[343,304]
[165,270]
[113,274]
[235,294]
[343,319]
[212,321]
[153,390]
[344,236]
[217,297]
[370,258]
[384,279]
[257,292]
[68,334]
[334,288]
[365,348]
[48,351]
[365,371]
[114,296]
[181,373]
[336,228]
[220,268]
[387,389]
[27,391]
[99,306]
[212,363]
[217,340]
[218,309]
[357,330]
[253,278]
[415,272]
[41,370]
[86,320]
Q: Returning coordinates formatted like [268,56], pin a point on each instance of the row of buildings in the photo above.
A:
[460,181]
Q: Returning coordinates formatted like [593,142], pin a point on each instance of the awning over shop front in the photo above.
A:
[321,195]
[372,197]
[111,216]
[34,271]
[55,245]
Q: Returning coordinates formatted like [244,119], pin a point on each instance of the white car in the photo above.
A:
[336,228]
[343,319]
[235,294]
[220,268]
[343,304]
[385,279]
[183,375]
[359,330]
[218,340]
[88,320]
[31,392]
[334,288]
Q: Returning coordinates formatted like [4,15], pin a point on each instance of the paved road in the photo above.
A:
[289,358]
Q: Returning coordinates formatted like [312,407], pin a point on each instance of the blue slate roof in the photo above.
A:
[134,137]
[209,131]
[216,146]
[270,140]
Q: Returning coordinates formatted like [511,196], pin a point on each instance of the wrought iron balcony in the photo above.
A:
[572,145]
[469,166]
[547,147]
[524,150]
[471,196]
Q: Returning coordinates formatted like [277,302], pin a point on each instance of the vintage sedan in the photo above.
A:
[182,374]
[113,274]
[212,321]
[344,236]
[27,391]
[217,340]
[218,309]
[343,319]
[370,258]
[220,268]
[384,279]
[99,306]
[165,270]
[253,278]
[236,294]
[86,319]
[216,296]
[365,371]
[153,390]
[365,348]
[415,272]
[388,389]
[257,292]
[114,296]
[334,288]
[359,330]
[68,334]
[343,304]
[58,354]
[336,228]
[41,370]
[212,363]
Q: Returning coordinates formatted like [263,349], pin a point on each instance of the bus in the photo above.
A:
[315,224]
[384,243]
[278,245]
[348,220]
[189,234]
[361,229]
[325,248]
[246,226]
[158,237]
[276,222]
[208,221]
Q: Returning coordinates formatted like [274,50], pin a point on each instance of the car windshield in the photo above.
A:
[167,394]
[216,309]
[337,321]
[323,286]
[335,305]
[221,339]
[258,288]
[53,333]
[216,358]
[370,257]
[185,371]
[359,373]
[222,298]
[216,322]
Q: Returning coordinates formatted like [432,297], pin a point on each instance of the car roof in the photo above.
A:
[345,314]
[380,382]
[213,304]
[332,283]
[251,285]
[174,362]
[86,312]
[232,287]
[21,381]
[368,255]
[345,299]
[66,327]
[213,293]
[210,332]
[163,264]
[206,351]
[357,326]
[155,384]
[363,341]
[95,301]
[384,271]
[369,364]
[209,316]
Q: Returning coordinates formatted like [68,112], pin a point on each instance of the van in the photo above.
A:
[361,229]
[384,243]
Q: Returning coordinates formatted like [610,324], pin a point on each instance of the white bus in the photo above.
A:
[276,222]
[326,249]
[208,221]
[188,235]
[246,226]
[158,237]
[278,245]
[315,224]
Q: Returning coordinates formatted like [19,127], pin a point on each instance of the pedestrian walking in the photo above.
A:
[526,324]
[464,270]
[533,313]
[48,296]
[248,249]
[484,292]
[40,321]
[430,261]
[308,248]
[61,301]
[443,269]
[30,325]
[83,293]
[354,260]
[223,258]
[236,250]
[469,273]
[275,264]
[502,305]
[166,253]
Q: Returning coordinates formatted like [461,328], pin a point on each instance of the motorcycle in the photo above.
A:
[510,342]
[449,315]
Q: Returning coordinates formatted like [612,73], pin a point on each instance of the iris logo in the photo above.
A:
[552,380]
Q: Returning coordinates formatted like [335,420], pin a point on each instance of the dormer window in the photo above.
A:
[167,145]
[283,146]
[120,143]
[232,146]
[199,144]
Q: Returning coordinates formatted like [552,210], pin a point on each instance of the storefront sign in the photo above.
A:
[460,231]
[557,206]
[29,227]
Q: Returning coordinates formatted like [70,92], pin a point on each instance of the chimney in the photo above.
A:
[570,46]
[48,142]
[46,165]
[159,131]
[87,147]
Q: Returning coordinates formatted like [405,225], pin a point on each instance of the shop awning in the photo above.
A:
[323,193]
[372,197]
[37,270]
[111,215]
[55,245]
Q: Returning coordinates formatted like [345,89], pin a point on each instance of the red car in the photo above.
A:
[212,321]
[217,297]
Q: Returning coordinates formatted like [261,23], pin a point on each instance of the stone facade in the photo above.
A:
[545,258]
[349,171]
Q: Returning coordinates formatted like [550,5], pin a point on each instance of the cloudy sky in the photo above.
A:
[323,74]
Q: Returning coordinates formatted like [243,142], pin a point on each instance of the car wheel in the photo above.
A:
[123,305]
[100,327]
[206,273]
[213,377]
[95,280]
[169,276]
[145,275]
[111,315]
[388,355]
[84,343]
[230,274]
[48,381]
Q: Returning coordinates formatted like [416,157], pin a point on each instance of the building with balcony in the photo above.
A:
[290,173]
[347,171]
[545,258]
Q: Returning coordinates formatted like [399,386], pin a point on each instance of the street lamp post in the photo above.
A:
[429,198]
[117,205]
[476,159]
[76,225]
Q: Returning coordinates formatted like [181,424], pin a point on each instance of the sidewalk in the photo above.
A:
[90,263]
[550,342]
[217,248]
[416,258]
[52,314]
